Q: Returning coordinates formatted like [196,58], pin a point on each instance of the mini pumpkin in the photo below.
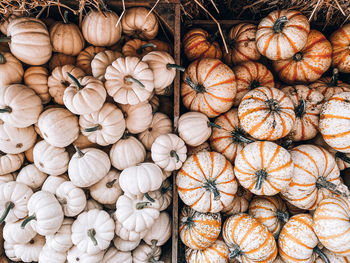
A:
[61,241]
[36,78]
[10,162]
[332,257]
[240,202]
[146,253]
[136,48]
[129,235]
[59,60]
[50,255]
[114,255]
[31,176]
[30,251]
[75,255]
[340,40]
[11,69]
[160,232]
[217,252]
[71,198]
[125,245]
[137,117]
[14,234]
[53,182]
[163,195]
[101,61]
[86,56]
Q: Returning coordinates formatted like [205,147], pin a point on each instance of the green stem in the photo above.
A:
[164,190]
[279,24]
[111,183]
[300,109]
[27,220]
[282,216]
[133,80]
[210,185]
[212,124]
[75,80]
[142,205]
[149,198]
[235,251]
[6,109]
[195,87]
[174,154]
[286,143]
[2,59]
[322,255]
[175,66]
[273,105]
[141,48]
[79,152]
[92,129]
[91,234]
[5,39]
[261,176]
[334,79]
[65,16]
[8,207]
[343,157]
[188,221]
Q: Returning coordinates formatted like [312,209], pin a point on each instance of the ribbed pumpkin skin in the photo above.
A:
[247,234]
[86,56]
[206,182]
[266,157]
[240,202]
[333,257]
[36,78]
[309,64]
[293,37]
[271,211]
[216,253]
[217,84]
[11,71]
[310,163]
[251,75]
[196,45]
[340,40]
[242,46]
[266,113]
[307,117]
[327,88]
[297,240]
[335,122]
[332,226]
[199,230]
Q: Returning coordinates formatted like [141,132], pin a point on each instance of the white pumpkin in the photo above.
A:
[169,152]
[49,255]
[71,198]
[5,178]
[11,69]
[125,245]
[127,152]
[61,241]
[31,176]
[75,255]
[145,253]
[10,162]
[10,252]
[128,235]
[88,166]
[160,232]
[52,183]
[101,61]
[164,195]
[113,255]
[30,251]
[107,191]
[93,231]
[161,124]
[92,204]
[14,234]
[137,117]
[50,159]
[105,126]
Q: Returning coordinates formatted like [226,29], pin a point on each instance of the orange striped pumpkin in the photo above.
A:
[228,138]
[199,230]
[250,75]
[264,168]
[297,241]
[271,211]
[198,44]
[216,253]
[248,240]
[307,107]
[282,34]
[333,258]
[206,182]
[332,224]
[242,45]
[309,64]
[316,176]
[335,122]
[340,40]
[292,209]
[266,113]
[209,86]
[240,203]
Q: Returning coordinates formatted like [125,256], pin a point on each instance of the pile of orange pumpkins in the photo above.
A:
[266,144]
[86,139]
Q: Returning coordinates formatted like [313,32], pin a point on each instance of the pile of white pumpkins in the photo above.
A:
[85,156]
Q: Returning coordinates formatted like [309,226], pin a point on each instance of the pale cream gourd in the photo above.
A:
[20,107]
[88,166]
[8,17]
[93,231]
[59,80]
[10,162]
[129,80]
[125,245]
[127,152]
[14,234]
[99,28]
[161,124]
[53,182]
[35,50]
[71,198]
[107,190]
[5,178]
[163,195]
[31,176]
[36,78]
[105,126]
[160,232]
[86,56]
[49,255]
[137,117]
[101,61]
[75,255]
[58,126]
[140,22]
[11,69]
[129,235]
[217,252]
[61,241]
[240,203]
[113,255]
[14,197]
[92,204]
[29,252]
[145,253]
[9,251]
[169,152]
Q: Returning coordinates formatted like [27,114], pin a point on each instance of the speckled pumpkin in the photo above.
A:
[332,257]
[216,253]
[240,202]
[340,41]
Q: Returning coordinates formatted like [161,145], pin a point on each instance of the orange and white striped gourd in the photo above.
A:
[340,40]
[217,252]
[240,202]
[266,113]
[264,168]
[332,257]
[206,182]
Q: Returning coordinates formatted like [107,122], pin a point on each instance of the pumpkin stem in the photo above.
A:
[235,251]
[261,176]
[126,134]
[188,221]
[79,152]
[75,80]
[210,185]
[343,157]
[174,154]
[238,136]
[27,220]
[141,48]
[5,39]
[334,79]
[196,87]
[323,183]
[322,255]
[213,37]
[298,56]
[151,254]
[6,109]
[282,216]
[175,66]
[111,183]
[92,129]
[65,16]
[8,207]
[300,108]
[133,80]
[279,24]
[212,124]
[254,84]
[2,59]
[141,205]
[164,190]
[286,143]
[149,197]
[91,234]
[273,104]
